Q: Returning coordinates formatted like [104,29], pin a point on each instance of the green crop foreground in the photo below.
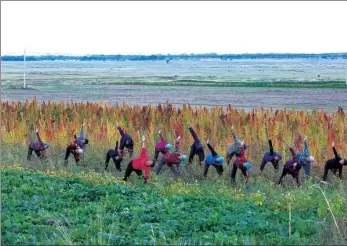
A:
[64,207]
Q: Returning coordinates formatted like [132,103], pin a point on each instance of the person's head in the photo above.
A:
[168,147]
[149,163]
[79,150]
[310,159]
[183,159]
[47,145]
[85,141]
[245,146]
[220,160]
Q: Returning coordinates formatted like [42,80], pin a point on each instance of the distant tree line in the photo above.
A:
[169,57]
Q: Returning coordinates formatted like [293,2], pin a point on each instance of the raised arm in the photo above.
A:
[237,141]
[214,153]
[82,132]
[337,157]
[307,153]
[271,147]
[195,136]
[120,131]
[293,154]
[177,145]
[161,137]
[38,135]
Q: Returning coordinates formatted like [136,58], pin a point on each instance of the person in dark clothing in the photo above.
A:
[235,148]
[196,148]
[172,160]
[116,157]
[335,164]
[292,167]
[272,157]
[126,141]
[77,147]
[240,163]
[38,147]
[140,164]
[213,159]
[161,147]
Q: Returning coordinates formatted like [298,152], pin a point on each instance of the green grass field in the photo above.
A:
[46,203]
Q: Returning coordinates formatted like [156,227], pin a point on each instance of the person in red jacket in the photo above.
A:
[240,163]
[39,147]
[140,164]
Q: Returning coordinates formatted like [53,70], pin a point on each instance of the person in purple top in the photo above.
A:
[335,164]
[38,147]
[272,157]
[126,141]
[196,148]
[292,167]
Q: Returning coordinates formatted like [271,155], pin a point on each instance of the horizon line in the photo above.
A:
[169,54]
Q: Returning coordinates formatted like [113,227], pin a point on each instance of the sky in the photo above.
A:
[80,28]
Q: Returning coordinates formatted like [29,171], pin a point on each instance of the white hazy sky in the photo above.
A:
[173,27]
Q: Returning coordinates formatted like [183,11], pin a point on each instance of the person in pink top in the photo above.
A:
[140,165]
[161,147]
[240,163]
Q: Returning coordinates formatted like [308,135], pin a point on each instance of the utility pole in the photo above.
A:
[24,86]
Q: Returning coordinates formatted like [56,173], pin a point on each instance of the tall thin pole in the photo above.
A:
[24,70]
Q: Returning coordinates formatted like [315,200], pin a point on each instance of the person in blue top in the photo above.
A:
[213,159]
[306,159]
[272,157]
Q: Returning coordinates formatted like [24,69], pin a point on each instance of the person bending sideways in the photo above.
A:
[77,147]
[116,157]
[196,148]
[272,157]
[172,160]
[291,167]
[38,147]
[140,165]
[335,164]
[240,163]
[126,141]
[213,159]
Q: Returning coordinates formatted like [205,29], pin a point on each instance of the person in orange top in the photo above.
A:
[140,164]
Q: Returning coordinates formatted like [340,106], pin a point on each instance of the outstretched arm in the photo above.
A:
[82,132]
[214,153]
[237,141]
[120,131]
[38,136]
[195,136]
[337,157]
[161,137]
[177,145]
[307,153]
[293,154]
[271,147]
